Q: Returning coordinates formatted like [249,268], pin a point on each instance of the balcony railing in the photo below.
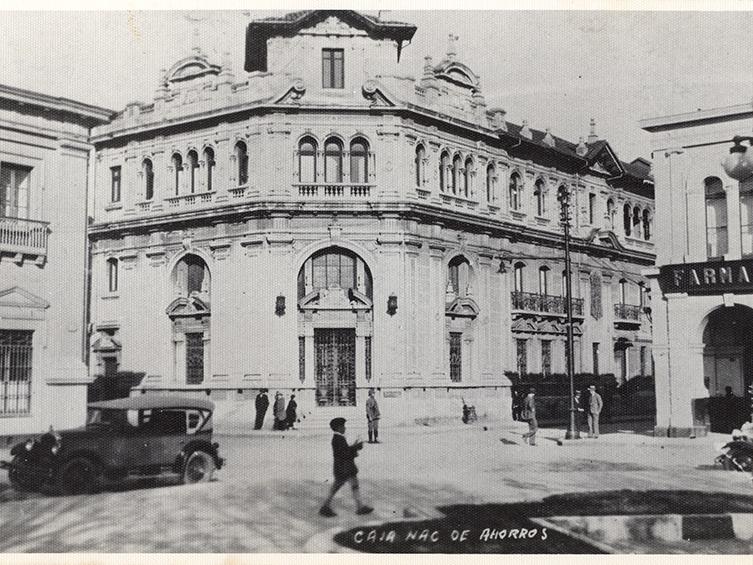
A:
[627,312]
[27,237]
[545,303]
[190,199]
[334,190]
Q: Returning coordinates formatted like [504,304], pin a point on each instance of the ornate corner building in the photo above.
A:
[325,222]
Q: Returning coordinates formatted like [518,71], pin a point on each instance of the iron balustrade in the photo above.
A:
[18,235]
[544,303]
[627,312]
[15,371]
[334,190]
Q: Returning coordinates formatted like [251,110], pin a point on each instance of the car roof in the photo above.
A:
[152,401]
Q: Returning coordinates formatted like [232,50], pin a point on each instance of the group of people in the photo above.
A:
[591,408]
[285,418]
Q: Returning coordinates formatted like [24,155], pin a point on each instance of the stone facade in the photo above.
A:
[44,164]
[325,223]
[702,295]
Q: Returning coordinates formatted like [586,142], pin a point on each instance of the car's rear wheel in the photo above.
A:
[199,468]
[79,475]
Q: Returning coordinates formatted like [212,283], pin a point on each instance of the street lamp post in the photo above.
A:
[563,196]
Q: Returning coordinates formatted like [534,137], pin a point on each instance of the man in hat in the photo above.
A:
[279,412]
[372,417]
[262,403]
[595,404]
[528,414]
[345,469]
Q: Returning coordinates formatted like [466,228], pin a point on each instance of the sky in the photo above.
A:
[556,69]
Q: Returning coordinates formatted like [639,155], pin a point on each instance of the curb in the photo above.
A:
[662,527]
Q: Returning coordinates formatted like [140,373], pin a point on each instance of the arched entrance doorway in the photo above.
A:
[335,324]
[728,365]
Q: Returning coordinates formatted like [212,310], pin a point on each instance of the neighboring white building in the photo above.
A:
[703,286]
[44,164]
[325,222]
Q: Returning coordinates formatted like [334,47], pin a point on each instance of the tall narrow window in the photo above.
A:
[544,280]
[307,160]
[148,171]
[515,192]
[359,164]
[563,284]
[591,208]
[115,184]
[444,170]
[367,356]
[333,72]
[491,180]
[637,222]
[456,166]
[626,219]
[241,162]
[15,371]
[546,357]
[195,274]
[194,358]
[333,161]
[746,217]
[112,275]
[209,166]
[14,191]
[468,178]
[716,217]
[302,358]
[595,358]
[623,291]
[193,168]
[610,215]
[540,195]
[456,359]
[646,225]
[519,277]
[643,350]
[177,162]
[521,354]
[419,164]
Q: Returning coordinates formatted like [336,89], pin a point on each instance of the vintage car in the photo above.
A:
[141,437]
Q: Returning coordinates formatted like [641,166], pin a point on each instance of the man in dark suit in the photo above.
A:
[528,414]
[262,403]
[345,469]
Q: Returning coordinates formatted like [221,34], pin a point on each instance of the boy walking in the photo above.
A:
[345,469]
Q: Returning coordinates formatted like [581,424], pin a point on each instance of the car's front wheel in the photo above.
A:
[79,475]
[17,479]
[199,468]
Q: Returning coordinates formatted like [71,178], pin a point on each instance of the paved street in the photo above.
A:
[266,499]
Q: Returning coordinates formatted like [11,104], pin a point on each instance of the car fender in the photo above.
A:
[63,458]
[195,445]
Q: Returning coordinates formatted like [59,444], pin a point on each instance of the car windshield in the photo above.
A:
[107,417]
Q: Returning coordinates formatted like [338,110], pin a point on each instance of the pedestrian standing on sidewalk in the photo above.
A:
[528,414]
[595,404]
[579,411]
[262,403]
[344,468]
[279,412]
[291,413]
[372,417]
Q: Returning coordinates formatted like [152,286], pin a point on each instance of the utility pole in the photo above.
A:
[563,196]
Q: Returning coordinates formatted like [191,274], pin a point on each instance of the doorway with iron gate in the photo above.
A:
[335,367]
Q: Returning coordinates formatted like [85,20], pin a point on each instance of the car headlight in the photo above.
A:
[55,448]
[29,445]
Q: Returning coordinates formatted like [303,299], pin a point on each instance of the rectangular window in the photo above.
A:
[302,358]
[114,184]
[591,208]
[367,355]
[333,75]
[456,359]
[546,357]
[643,353]
[595,354]
[746,217]
[15,371]
[522,356]
[194,358]
[112,275]
[14,190]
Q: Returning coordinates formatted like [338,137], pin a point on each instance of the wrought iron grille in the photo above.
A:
[15,371]
[367,355]
[194,358]
[302,358]
[532,302]
[627,312]
[335,367]
[456,357]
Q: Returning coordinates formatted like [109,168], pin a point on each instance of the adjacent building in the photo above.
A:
[326,221]
[703,295]
[44,170]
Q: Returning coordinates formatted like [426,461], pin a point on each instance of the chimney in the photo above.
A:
[592,137]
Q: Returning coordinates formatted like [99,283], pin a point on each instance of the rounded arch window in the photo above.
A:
[460,275]
[540,195]
[333,160]
[456,166]
[746,217]
[209,166]
[626,218]
[646,225]
[623,291]
[468,178]
[515,190]
[716,217]
[193,165]
[177,163]
[518,276]
[112,275]
[637,213]
[191,274]
[491,179]
[334,268]
[419,164]
[307,160]
[241,162]
[544,280]
[359,161]
[444,170]
[610,214]
[148,170]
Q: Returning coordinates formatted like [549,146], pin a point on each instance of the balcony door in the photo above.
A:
[335,367]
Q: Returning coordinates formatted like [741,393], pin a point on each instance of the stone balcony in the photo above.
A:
[333,191]
[628,315]
[544,304]
[23,238]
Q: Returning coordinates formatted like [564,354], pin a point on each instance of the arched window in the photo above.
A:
[637,214]
[623,291]
[563,284]
[519,277]
[209,165]
[491,181]
[543,280]
[307,160]
[646,225]
[359,164]
[333,160]
[456,166]
[746,217]
[515,191]
[112,275]
[193,167]
[177,162]
[716,217]
[643,295]
[626,221]
[241,162]
[609,220]
[419,163]
[459,275]
[468,178]
[444,170]
[148,170]
[540,194]
[191,275]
